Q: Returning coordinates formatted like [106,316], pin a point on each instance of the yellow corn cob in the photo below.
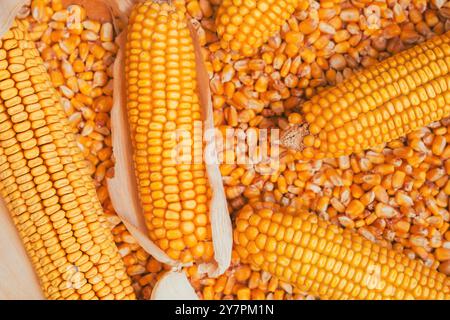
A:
[244,26]
[45,182]
[378,104]
[162,100]
[328,261]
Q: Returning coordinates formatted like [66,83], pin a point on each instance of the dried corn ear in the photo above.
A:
[46,185]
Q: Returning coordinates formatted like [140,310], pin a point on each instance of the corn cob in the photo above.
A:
[45,182]
[378,104]
[244,26]
[327,261]
[162,100]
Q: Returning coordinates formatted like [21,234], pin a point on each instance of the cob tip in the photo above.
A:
[292,137]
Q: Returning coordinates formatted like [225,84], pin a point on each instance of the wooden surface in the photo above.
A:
[17,277]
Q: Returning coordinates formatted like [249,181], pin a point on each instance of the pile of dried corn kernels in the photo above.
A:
[395,194]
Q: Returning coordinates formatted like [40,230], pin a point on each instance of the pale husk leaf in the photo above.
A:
[9,10]
[17,277]
[174,286]
[222,232]
[123,186]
